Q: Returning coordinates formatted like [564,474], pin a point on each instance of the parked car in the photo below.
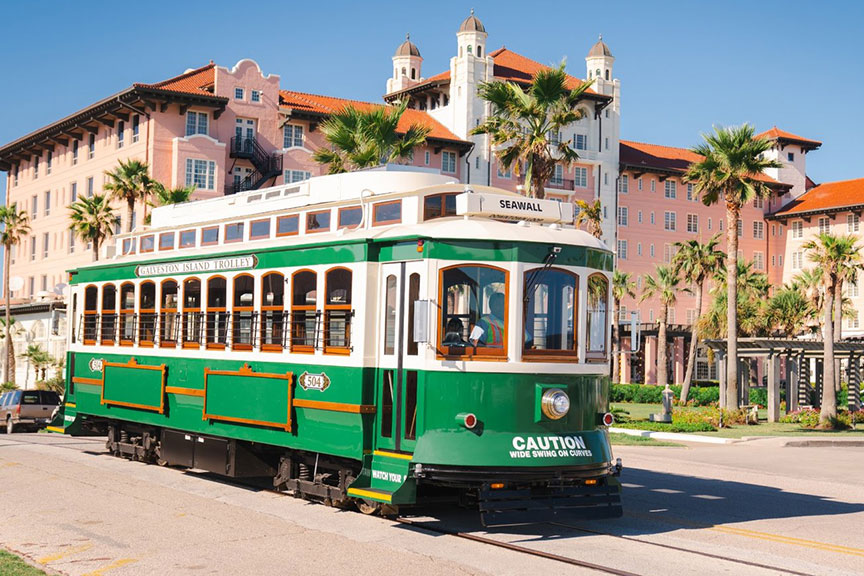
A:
[27,409]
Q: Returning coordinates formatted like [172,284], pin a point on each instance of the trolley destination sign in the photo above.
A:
[513,207]
[197,266]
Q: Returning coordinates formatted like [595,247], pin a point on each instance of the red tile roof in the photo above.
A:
[326,105]
[827,197]
[198,81]
[639,155]
[509,66]
[777,134]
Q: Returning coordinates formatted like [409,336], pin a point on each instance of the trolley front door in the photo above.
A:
[399,360]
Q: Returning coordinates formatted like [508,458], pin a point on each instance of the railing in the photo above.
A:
[266,165]
[560,184]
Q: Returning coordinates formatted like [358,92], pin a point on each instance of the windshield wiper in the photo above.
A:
[538,273]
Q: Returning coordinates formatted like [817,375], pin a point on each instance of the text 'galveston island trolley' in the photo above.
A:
[378,338]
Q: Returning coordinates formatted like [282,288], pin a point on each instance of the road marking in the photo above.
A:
[116,564]
[64,553]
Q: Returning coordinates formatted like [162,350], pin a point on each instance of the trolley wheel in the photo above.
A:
[368,507]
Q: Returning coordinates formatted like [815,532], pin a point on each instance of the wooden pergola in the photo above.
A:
[798,356]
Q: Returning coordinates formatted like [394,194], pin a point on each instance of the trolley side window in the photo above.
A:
[191,313]
[217,313]
[147,314]
[337,312]
[168,324]
[390,316]
[243,315]
[439,205]
[109,314]
[91,315]
[550,313]
[598,321]
[127,314]
[272,312]
[474,311]
[304,320]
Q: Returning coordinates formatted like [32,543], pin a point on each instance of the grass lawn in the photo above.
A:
[11,565]
[764,428]
[618,439]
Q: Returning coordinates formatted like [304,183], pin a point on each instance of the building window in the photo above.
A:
[624,184]
[693,223]
[121,133]
[292,136]
[653,185]
[47,203]
[759,202]
[622,249]
[32,248]
[605,178]
[652,220]
[502,173]
[758,230]
[622,215]
[651,250]
[201,174]
[670,189]
[136,128]
[256,96]
[797,260]
[292,176]
[790,156]
[740,228]
[824,225]
[91,146]
[669,221]
[90,187]
[74,156]
[580,177]
[639,183]
[49,160]
[196,123]
[852,287]
[238,93]
[758,260]
[797,229]
[639,217]
[690,192]
[557,178]
[580,142]
[448,162]
[638,248]
[34,207]
[36,167]
[852,321]
[691,316]
[669,251]
[426,157]
[45,244]
[852,223]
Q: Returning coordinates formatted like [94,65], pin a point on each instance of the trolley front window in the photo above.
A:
[474,311]
[550,313]
[598,321]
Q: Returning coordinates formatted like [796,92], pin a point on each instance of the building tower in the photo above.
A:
[406,66]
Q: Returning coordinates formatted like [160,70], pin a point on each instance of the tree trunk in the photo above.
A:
[130,208]
[616,341]
[694,341]
[8,369]
[95,250]
[662,378]
[838,330]
[537,190]
[829,396]
[731,306]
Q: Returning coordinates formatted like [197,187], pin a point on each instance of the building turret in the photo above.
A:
[406,66]
[472,37]
[599,62]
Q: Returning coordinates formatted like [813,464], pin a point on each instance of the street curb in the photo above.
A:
[673,436]
[820,443]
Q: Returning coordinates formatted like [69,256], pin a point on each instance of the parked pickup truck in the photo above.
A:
[27,409]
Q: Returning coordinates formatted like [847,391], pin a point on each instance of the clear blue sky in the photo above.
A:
[683,65]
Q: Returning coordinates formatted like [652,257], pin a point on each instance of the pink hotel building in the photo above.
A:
[226,130]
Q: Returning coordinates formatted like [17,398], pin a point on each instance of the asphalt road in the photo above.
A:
[754,508]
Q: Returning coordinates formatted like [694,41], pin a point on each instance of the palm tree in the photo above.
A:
[729,172]
[38,358]
[696,262]
[364,138]
[789,309]
[622,287]
[525,125]
[836,257]
[591,215]
[165,196]
[15,226]
[664,285]
[128,182]
[8,336]
[92,220]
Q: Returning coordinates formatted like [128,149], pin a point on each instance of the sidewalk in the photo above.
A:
[779,441]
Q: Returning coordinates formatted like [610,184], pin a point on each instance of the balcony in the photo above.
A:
[560,184]
[267,166]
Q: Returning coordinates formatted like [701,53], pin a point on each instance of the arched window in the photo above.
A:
[474,317]
[391,297]
[413,296]
[91,315]
[191,313]
[168,325]
[147,314]
[304,317]
[598,318]
[109,315]
[403,72]
[590,74]
[607,74]
[479,51]
[272,312]
[127,314]
[217,313]
[550,313]
[337,312]
[243,313]
[597,73]
[469,49]
[413,73]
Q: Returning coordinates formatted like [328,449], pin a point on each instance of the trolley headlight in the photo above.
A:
[555,403]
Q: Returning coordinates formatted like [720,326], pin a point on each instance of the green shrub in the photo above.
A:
[673,427]
[8,387]
[621,415]
[650,394]
[807,418]
[857,417]
[840,422]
